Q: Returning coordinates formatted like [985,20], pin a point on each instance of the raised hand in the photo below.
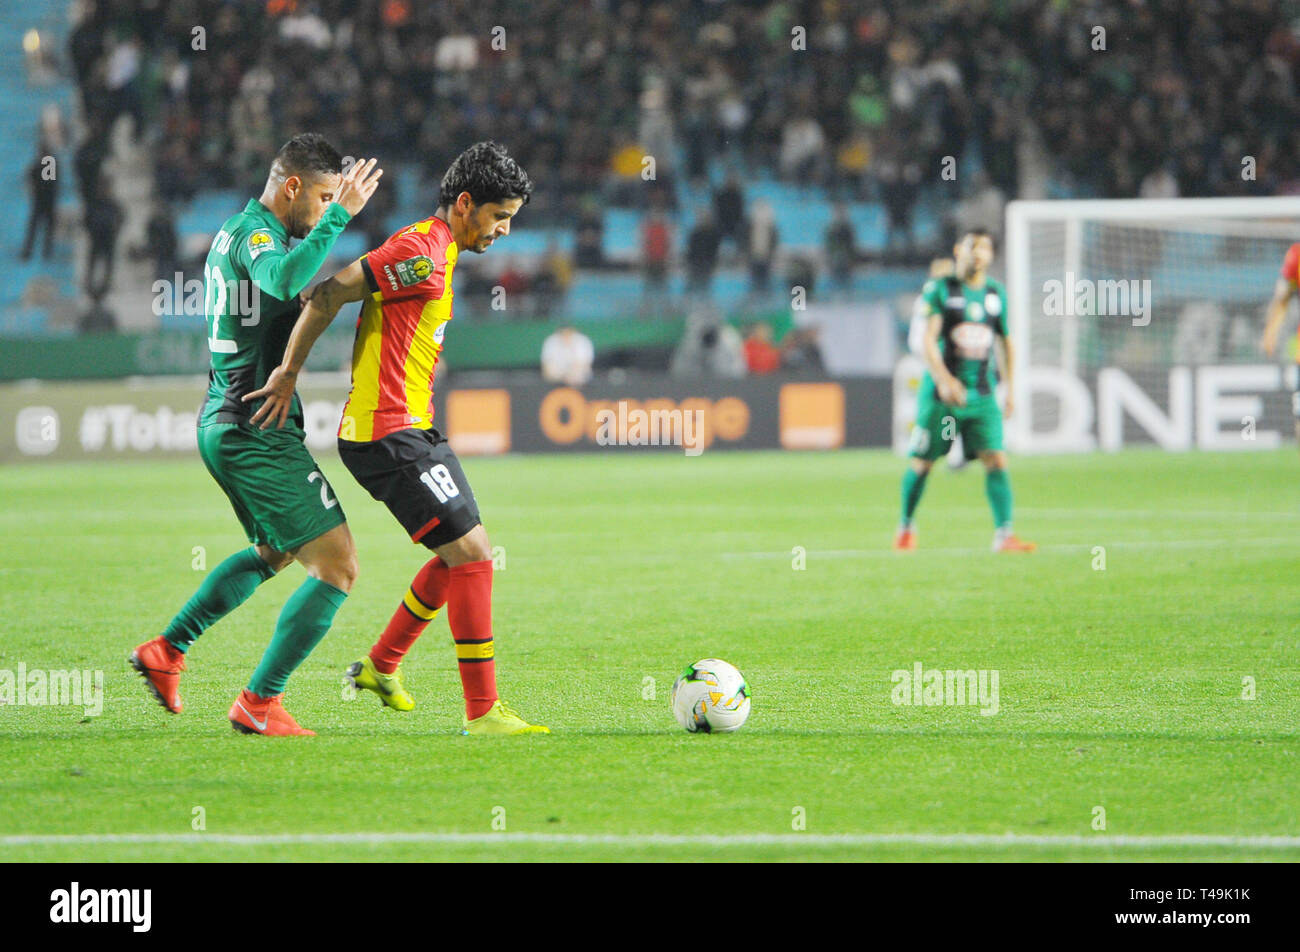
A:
[358,185]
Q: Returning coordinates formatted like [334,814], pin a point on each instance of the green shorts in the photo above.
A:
[278,492]
[937,424]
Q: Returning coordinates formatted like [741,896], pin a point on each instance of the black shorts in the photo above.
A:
[417,476]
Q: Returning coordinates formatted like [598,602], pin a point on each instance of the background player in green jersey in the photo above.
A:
[965,340]
[251,284]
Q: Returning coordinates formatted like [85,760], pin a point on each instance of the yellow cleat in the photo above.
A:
[500,721]
[389,687]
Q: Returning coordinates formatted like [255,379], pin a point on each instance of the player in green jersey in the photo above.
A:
[252,280]
[965,339]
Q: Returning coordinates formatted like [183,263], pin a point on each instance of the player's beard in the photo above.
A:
[298,226]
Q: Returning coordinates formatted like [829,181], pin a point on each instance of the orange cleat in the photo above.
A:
[1009,543]
[160,665]
[905,541]
[253,714]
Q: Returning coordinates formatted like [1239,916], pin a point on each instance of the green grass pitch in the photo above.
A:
[1122,688]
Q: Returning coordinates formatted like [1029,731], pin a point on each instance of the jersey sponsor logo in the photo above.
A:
[414,270]
[258,242]
[972,340]
[437,334]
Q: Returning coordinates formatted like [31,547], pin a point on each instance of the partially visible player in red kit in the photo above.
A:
[387,438]
[1283,290]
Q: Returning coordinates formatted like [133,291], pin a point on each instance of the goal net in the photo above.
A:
[1139,321]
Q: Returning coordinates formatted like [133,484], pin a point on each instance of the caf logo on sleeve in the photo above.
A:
[413,270]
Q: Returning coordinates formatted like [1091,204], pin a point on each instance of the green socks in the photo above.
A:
[303,621]
[305,618]
[997,486]
[913,486]
[225,589]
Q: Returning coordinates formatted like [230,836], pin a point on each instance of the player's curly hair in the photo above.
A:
[488,173]
[308,153]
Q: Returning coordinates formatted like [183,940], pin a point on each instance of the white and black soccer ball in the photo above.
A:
[711,697]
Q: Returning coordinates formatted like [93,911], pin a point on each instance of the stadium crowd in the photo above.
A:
[1111,98]
[863,97]
[866,96]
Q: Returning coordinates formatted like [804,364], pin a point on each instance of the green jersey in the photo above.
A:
[250,302]
[973,318]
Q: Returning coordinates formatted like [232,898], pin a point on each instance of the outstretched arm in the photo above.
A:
[1282,292]
[323,306]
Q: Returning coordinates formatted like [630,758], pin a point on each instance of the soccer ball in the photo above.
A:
[711,696]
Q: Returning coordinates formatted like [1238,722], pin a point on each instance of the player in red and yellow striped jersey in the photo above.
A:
[387,438]
[1283,290]
[399,334]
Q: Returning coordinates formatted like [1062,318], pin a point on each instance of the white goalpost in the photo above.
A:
[1138,321]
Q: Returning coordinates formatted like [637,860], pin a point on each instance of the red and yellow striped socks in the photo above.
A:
[469,613]
[466,590]
[427,594]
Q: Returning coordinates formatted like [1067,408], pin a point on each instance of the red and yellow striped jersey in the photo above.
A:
[399,333]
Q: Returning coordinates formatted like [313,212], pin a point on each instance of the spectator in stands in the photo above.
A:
[175,173]
[710,347]
[656,246]
[588,244]
[657,138]
[122,81]
[103,221]
[762,356]
[841,254]
[800,350]
[86,45]
[801,273]
[982,209]
[551,283]
[702,253]
[43,187]
[90,157]
[729,209]
[803,149]
[514,284]
[899,177]
[160,242]
[567,356]
[761,241]
[1159,183]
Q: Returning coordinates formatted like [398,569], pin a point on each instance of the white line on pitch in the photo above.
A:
[887,552]
[1234,514]
[1154,841]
